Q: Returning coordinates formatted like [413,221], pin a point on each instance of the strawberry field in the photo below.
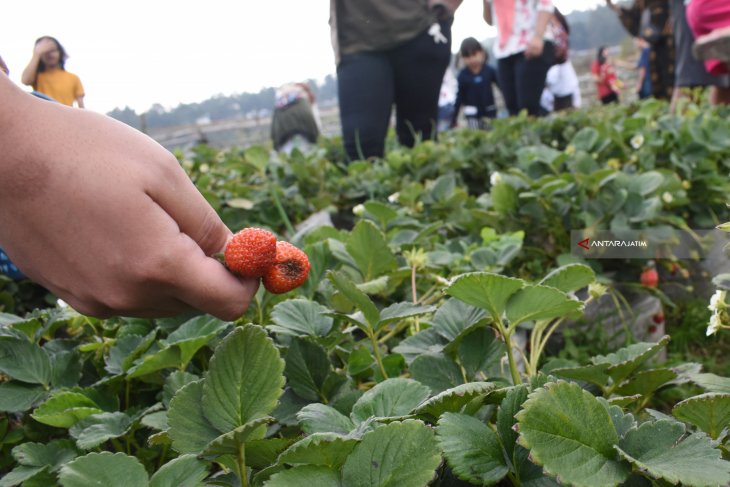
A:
[447,334]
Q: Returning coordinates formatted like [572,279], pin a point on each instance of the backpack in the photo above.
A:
[561,36]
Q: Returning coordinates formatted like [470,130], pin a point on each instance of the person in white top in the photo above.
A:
[524,50]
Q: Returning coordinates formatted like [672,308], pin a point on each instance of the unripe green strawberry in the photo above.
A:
[290,269]
[250,252]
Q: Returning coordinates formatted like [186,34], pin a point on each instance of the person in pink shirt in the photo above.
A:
[710,24]
[524,50]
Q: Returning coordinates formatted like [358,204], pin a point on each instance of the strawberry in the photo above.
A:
[658,318]
[289,271]
[250,252]
[649,277]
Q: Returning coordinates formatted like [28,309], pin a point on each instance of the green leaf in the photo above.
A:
[361,300]
[570,278]
[244,379]
[107,469]
[539,303]
[24,361]
[371,253]
[163,359]
[229,443]
[17,397]
[125,351]
[645,382]
[307,368]
[395,455]
[51,455]
[571,434]
[189,430]
[437,371]
[325,449]
[391,398]
[258,157]
[504,198]
[485,290]
[318,418]
[454,317]
[63,409]
[710,412]
[399,311]
[585,139]
[156,421]
[657,448]
[508,408]
[263,453]
[301,317]
[595,374]
[479,351]
[65,368]
[645,183]
[312,475]
[183,471]
[711,382]
[174,382]
[471,448]
[94,430]
[628,359]
[194,334]
[426,341]
[20,474]
[454,399]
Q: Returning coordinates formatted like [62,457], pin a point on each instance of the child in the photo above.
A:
[475,82]
[47,74]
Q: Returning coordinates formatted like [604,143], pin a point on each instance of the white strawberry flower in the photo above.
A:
[667,197]
[358,210]
[394,197]
[715,324]
[495,178]
[637,141]
[717,301]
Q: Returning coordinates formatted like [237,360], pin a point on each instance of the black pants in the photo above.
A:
[408,76]
[522,80]
[611,98]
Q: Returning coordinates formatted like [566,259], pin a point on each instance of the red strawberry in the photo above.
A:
[658,318]
[289,271]
[251,252]
[650,277]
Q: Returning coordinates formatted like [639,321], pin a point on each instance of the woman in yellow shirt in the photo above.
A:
[46,73]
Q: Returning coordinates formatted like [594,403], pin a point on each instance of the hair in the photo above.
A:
[601,55]
[563,21]
[61,51]
[469,46]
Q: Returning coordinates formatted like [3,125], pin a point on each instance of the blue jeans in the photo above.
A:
[409,76]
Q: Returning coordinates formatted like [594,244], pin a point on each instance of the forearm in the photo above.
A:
[31,71]
[80,102]
[487,6]
[543,17]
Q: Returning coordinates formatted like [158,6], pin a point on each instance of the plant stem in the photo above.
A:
[507,336]
[376,351]
[241,462]
[414,294]
[277,202]
[394,331]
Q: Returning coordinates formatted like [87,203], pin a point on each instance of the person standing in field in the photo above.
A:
[47,74]
[389,52]
[650,20]
[524,50]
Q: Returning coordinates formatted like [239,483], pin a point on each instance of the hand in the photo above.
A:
[44,45]
[534,47]
[106,219]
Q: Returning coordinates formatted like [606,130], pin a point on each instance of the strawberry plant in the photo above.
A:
[420,350]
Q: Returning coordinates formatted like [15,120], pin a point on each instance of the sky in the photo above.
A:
[137,53]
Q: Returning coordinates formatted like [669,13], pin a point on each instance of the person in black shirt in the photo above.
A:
[475,85]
